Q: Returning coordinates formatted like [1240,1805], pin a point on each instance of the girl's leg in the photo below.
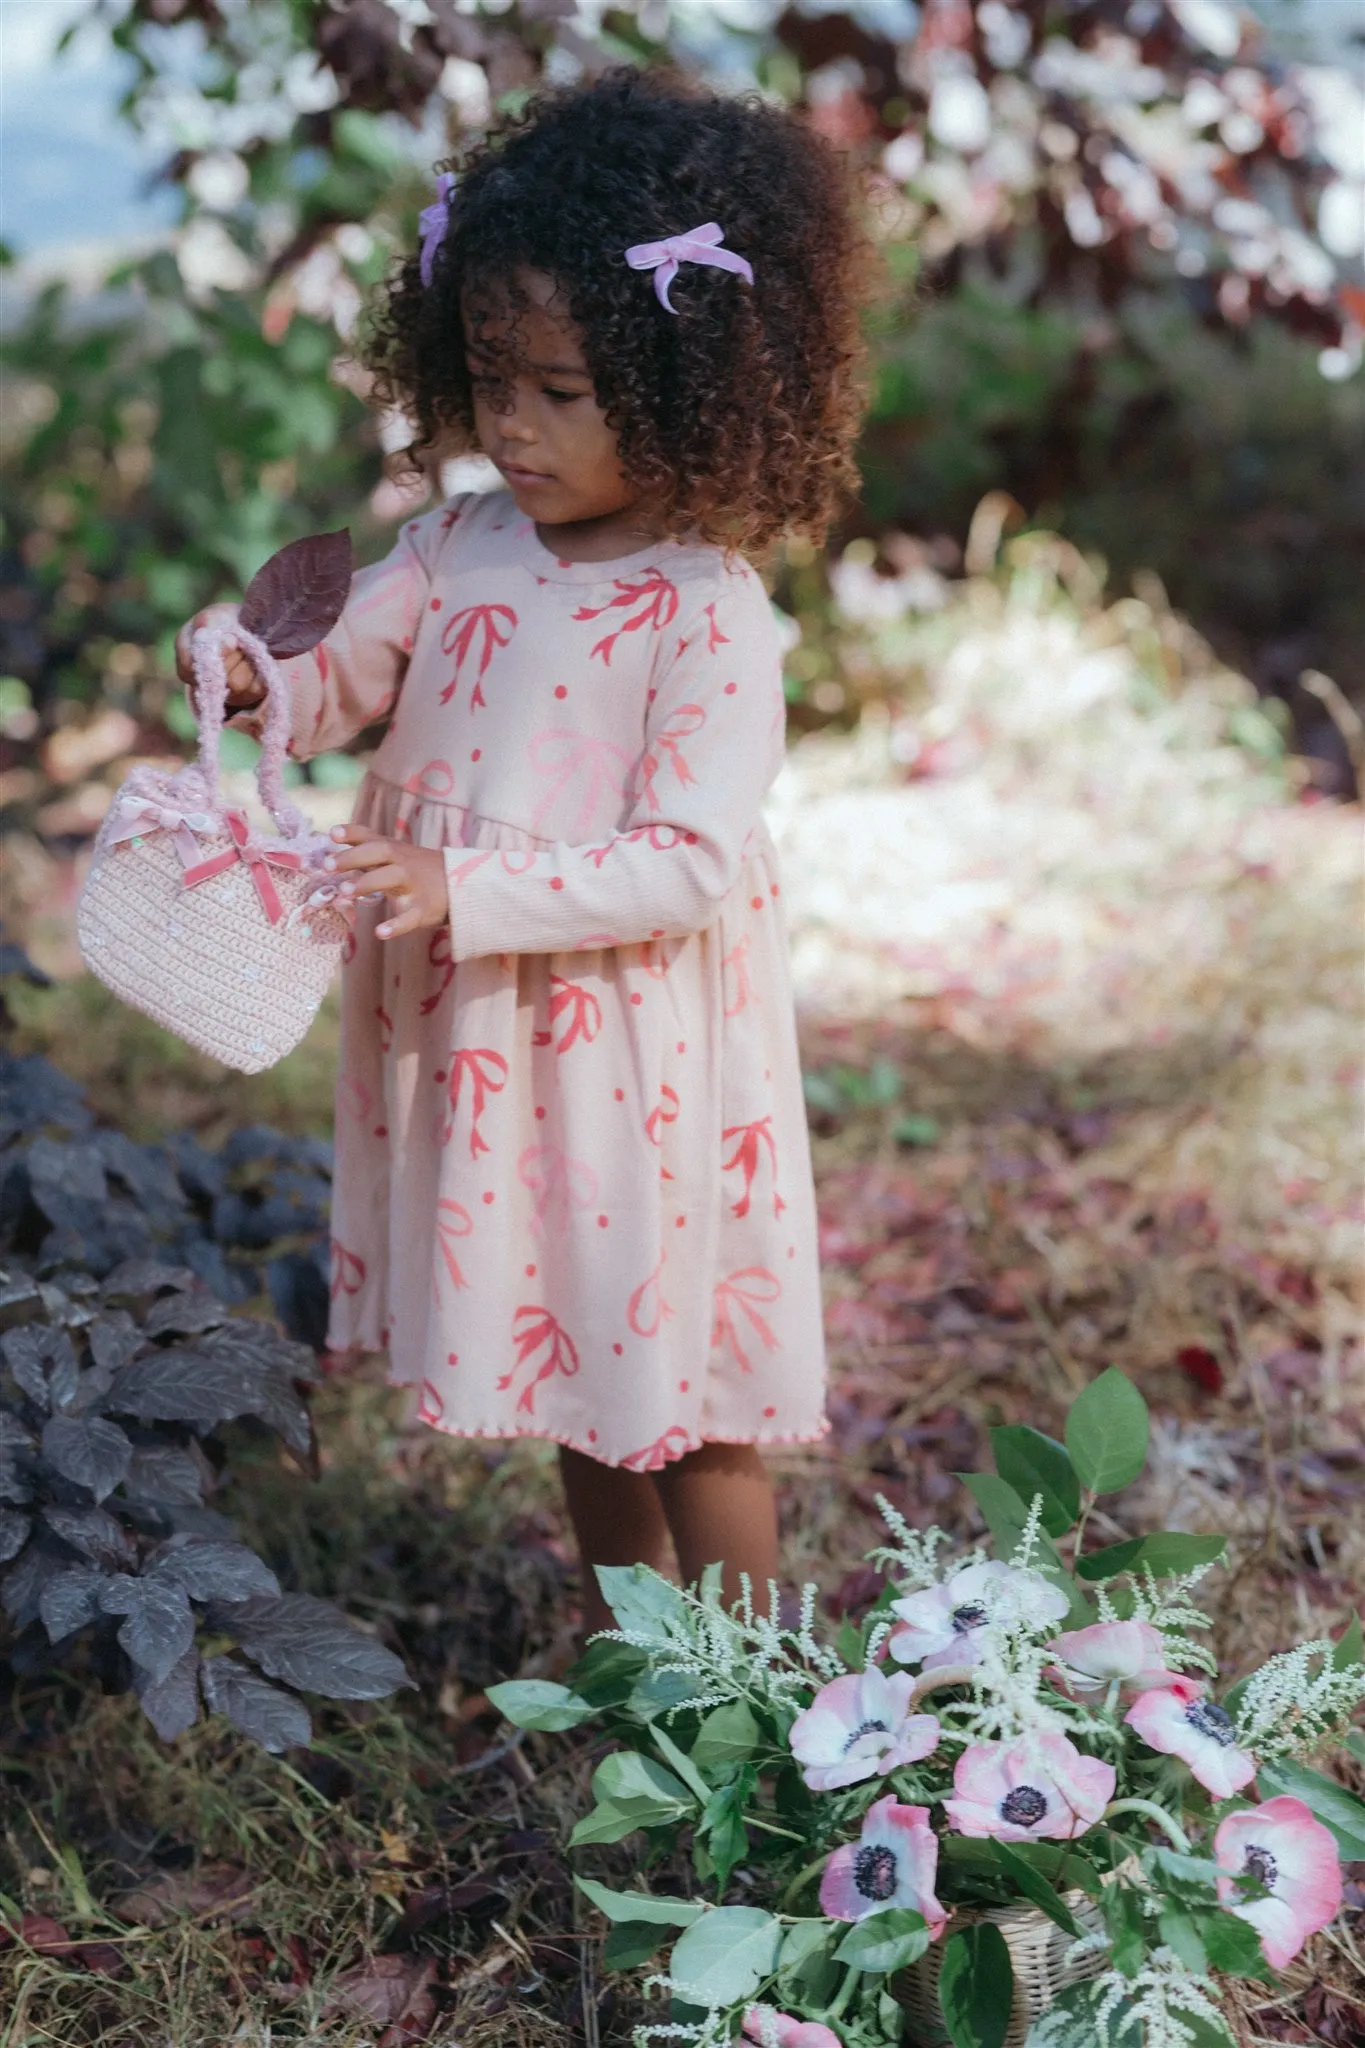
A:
[617,1519]
[720,1508]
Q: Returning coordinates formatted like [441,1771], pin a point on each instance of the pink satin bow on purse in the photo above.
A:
[698,245]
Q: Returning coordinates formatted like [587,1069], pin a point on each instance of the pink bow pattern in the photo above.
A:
[137,818]
[698,245]
[260,855]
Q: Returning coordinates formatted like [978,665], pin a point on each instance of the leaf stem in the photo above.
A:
[770,1827]
[1088,1500]
[1173,1831]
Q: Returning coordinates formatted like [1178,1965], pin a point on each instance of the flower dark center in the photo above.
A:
[874,1871]
[1207,1719]
[969,1616]
[1261,1864]
[1023,1806]
[865,1728]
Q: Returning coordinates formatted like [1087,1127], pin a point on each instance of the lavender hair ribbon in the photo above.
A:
[432,223]
[698,245]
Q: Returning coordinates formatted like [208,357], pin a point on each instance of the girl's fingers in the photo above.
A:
[369,852]
[383,881]
[410,920]
[354,835]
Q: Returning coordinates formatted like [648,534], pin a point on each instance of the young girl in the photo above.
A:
[573,1193]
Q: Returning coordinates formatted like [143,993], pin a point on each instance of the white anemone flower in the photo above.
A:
[937,1627]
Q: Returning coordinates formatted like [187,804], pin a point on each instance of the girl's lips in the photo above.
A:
[517,475]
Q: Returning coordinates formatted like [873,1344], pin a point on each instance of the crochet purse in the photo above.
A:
[227,937]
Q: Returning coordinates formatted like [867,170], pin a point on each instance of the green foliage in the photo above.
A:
[976,1986]
[1106,1433]
[725,1955]
[885,1941]
[1036,1464]
[539,1703]
[1165,1554]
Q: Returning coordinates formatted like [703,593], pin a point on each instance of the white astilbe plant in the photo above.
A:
[913,1557]
[1163,1998]
[1288,1709]
[744,1655]
[1167,1605]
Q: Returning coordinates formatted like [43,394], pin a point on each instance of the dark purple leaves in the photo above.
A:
[88,1450]
[308,1643]
[214,1571]
[94,1533]
[71,1600]
[185,1315]
[14,1529]
[164,1475]
[171,1703]
[114,1339]
[273,1718]
[296,598]
[43,1362]
[159,1623]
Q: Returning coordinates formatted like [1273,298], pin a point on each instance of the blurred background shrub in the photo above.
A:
[1123,287]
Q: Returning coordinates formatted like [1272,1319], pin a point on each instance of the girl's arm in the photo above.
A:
[352,678]
[714,742]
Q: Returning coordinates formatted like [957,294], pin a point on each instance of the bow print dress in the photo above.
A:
[573,1193]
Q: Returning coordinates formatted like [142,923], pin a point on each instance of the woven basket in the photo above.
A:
[1037,1949]
[226,937]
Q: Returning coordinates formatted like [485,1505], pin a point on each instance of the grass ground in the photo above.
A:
[1140,1157]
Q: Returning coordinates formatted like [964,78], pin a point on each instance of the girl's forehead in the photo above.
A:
[528,322]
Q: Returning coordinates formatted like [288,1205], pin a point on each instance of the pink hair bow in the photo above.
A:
[698,245]
[432,223]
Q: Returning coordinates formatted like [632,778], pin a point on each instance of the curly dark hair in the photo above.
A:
[736,416]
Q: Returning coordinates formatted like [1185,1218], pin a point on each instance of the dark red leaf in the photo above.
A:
[296,598]
[1200,1365]
[385,1989]
[43,1933]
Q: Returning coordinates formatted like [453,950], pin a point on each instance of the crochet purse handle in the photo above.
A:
[291,604]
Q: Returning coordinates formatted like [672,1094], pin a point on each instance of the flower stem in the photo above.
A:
[840,2006]
[802,1878]
[1087,1503]
[1174,1833]
[940,1680]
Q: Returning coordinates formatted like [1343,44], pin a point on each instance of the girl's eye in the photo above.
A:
[562,397]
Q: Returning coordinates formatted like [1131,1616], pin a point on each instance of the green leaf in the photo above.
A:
[1073,2021]
[642,1601]
[659,1692]
[1036,1888]
[730,1735]
[1354,1744]
[1165,1555]
[806,1969]
[1123,1917]
[722,1825]
[630,1906]
[1328,1801]
[725,1955]
[606,1672]
[682,1764]
[1232,1945]
[1106,1433]
[885,1941]
[606,1823]
[631,1944]
[976,1987]
[1180,1934]
[1193,1878]
[538,1703]
[1033,1463]
[1350,1646]
[917,1130]
[634,1780]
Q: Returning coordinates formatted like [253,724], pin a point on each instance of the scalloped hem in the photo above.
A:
[472,1433]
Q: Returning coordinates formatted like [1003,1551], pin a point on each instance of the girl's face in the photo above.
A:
[538,418]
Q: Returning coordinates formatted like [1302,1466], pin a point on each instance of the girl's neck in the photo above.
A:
[623,532]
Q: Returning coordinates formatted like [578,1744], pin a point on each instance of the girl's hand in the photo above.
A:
[245,688]
[414,876]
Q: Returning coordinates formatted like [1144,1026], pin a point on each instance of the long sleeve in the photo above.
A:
[713,744]
[352,678]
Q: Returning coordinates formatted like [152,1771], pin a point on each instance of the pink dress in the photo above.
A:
[573,1194]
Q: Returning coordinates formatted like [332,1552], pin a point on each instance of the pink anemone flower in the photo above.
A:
[774,2029]
[1296,1859]
[936,1626]
[1040,1786]
[1091,1659]
[1178,1720]
[893,1863]
[858,1726]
